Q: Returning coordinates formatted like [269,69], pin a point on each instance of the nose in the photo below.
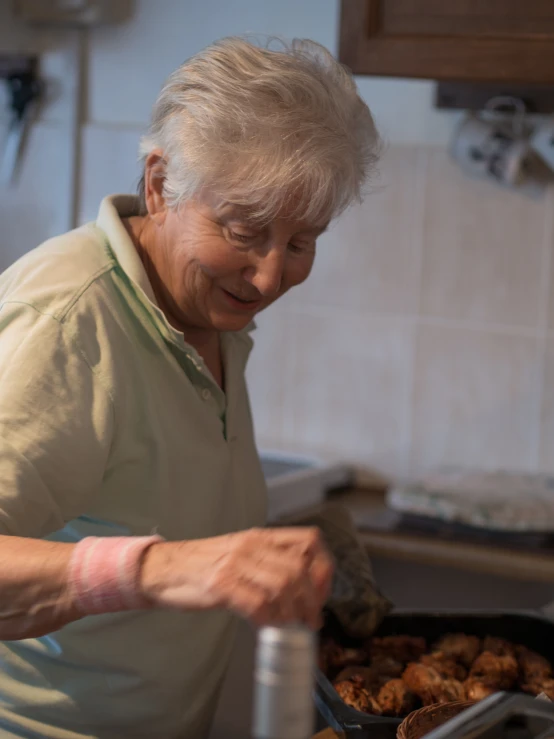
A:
[266,272]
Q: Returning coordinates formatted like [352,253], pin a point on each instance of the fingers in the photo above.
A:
[279,576]
[309,542]
[289,588]
[305,540]
[270,576]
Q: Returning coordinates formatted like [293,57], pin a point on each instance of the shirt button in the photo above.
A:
[206,394]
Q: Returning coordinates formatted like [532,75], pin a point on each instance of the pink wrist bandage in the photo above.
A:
[104,573]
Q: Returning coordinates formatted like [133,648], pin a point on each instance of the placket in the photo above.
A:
[201,378]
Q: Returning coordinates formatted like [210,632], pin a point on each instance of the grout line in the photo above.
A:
[494,328]
[51,123]
[420,201]
[326,311]
[116,127]
[286,426]
[78,56]
[546,262]
[418,234]
[543,319]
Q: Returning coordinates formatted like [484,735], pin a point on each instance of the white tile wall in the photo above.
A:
[421,334]
[110,165]
[482,249]
[546,459]
[370,259]
[476,396]
[268,374]
[348,387]
[34,207]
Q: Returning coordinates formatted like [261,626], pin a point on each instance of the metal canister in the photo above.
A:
[283,683]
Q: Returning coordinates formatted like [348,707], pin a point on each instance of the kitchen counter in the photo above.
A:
[382,539]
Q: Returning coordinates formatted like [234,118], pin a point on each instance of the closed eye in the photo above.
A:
[300,248]
[241,238]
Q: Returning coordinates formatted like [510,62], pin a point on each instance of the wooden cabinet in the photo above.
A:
[466,40]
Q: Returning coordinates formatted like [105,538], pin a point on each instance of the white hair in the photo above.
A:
[271,130]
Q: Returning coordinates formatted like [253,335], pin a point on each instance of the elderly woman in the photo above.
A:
[130,487]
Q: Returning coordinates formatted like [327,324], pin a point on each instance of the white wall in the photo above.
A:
[423,335]
[32,210]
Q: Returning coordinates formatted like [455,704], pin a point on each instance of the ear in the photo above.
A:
[154,178]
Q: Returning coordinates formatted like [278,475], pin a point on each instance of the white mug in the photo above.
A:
[496,149]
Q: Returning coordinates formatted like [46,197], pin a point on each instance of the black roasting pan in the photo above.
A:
[533,629]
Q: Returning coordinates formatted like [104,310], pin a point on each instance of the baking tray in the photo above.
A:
[533,629]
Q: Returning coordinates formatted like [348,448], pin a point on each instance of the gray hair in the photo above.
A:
[266,129]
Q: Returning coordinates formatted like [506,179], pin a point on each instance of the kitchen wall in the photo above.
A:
[425,334]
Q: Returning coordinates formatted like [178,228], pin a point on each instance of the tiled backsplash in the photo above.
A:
[423,335]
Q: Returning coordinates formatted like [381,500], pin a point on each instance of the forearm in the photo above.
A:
[267,576]
[35,597]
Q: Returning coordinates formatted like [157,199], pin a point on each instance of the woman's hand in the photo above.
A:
[269,576]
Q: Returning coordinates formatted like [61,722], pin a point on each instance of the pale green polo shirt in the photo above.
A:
[111,424]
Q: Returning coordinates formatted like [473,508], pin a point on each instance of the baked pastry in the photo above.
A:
[497,671]
[353,694]
[391,675]
[335,657]
[501,647]
[428,685]
[396,699]
[476,690]
[450,690]
[533,667]
[387,667]
[369,677]
[536,688]
[459,647]
[444,665]
[400,648]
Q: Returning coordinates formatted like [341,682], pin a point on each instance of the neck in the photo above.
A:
[140,231]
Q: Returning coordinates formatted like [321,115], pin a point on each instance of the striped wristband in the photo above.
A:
[104,573]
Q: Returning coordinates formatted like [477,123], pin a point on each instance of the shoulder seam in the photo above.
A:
[64,327]
[62,314]
[84,287]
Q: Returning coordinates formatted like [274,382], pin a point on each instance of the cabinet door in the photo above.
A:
[470,40]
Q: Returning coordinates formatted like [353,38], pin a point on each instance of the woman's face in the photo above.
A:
[216,269]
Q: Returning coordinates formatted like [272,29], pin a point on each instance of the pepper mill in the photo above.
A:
[283,683]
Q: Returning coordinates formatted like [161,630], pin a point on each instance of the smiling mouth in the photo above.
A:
[242,301]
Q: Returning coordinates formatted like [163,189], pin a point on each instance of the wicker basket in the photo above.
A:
[421,722]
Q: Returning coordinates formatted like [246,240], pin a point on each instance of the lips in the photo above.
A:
[240,303]
[242,299]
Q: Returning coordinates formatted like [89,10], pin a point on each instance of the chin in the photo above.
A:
[229,322]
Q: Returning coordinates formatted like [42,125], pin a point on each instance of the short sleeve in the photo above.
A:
[56,424]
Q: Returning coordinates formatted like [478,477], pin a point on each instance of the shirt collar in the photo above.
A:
[112,210]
